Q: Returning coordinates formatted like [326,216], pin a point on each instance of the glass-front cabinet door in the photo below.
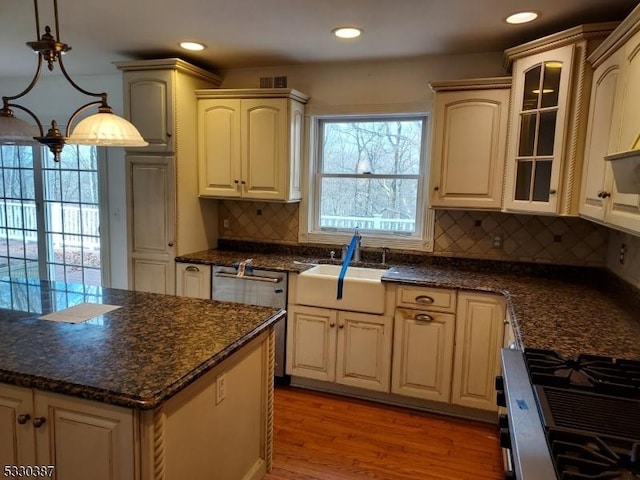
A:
[537,140]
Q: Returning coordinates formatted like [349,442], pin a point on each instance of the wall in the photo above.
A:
[527,238]
[630,269]
[54,98]
[345,86]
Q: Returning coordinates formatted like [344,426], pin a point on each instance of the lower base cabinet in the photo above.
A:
[76,438]
[347,348]
[423,354]
[479,336]
[194,434]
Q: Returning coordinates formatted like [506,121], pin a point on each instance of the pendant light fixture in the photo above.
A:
[103,128]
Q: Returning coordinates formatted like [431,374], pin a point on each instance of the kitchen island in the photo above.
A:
[162,387]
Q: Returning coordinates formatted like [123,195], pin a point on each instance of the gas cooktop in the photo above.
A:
[590,412]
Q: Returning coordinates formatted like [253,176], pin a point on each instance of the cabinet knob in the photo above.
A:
[171,244]
[168,134]
[243,182]
[236,181]
[341,325]
[436,188]
[332,324]
[39,421]
[22,419]
[552,191]
[603,194]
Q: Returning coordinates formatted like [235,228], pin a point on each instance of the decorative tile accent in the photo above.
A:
[261,221]
[458,233]
[526,238]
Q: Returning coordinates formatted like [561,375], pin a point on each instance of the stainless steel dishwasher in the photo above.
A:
[255,287]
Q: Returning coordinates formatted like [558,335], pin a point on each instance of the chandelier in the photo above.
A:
[103,128]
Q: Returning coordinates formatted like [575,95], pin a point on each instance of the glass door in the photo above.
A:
[50,215]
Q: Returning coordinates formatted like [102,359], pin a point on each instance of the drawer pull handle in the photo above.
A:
[191,268]
[426,299]
[423,317]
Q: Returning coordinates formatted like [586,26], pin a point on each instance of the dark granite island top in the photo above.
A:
[136,356]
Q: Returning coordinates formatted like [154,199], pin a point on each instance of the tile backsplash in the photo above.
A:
[469,234]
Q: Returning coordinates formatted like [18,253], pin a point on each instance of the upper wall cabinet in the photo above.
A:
[152,93]
[551,86]
[469,143]
[250,143]
[614,124]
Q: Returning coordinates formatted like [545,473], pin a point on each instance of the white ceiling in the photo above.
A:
[247,33]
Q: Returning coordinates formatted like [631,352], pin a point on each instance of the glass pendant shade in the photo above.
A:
[15,131]
[106,129]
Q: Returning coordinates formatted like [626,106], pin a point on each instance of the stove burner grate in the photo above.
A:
[587,372]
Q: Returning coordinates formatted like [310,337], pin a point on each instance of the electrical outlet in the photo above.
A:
[221,388]
[225,223]
[623,252]
[497,241]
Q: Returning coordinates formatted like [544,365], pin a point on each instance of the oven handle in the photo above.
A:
[257,278]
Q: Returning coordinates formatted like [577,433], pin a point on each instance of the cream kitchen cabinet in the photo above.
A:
[614,124]
[423,342]
[551,88]
[423,354]
[480,321]
[469,143]
[79,438]
[193,280]
[347,348]
[165,217]
[250,143]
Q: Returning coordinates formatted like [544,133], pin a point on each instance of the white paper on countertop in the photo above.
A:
[79,313]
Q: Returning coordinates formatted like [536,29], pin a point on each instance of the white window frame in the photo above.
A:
[309,232]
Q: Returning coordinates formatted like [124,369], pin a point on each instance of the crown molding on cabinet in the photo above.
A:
[559,39]
[466,84]
[625,30]
[169,64]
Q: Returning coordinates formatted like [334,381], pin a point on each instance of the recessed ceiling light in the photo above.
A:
[521,17]
[347,32]
[193,46]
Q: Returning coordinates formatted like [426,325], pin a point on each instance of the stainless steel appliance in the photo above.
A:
[570,418]
[254,287]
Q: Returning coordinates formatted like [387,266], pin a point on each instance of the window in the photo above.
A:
[368,172]
[50,215]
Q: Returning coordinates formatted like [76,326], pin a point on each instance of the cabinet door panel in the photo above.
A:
[17,442]
[469,148]
[539,120]
[423,354]
[193,280]
[364,351]
[479,337]
[85,440]
[151,223]
[597,176]
[149,106]
[311,342]
[625,207]
[264,148]
[219,147]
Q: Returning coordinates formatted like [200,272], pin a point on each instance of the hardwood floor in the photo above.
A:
[325,437]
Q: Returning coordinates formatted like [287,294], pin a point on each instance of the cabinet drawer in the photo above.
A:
[430,298]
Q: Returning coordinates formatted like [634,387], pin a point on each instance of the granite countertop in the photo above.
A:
[136,356]
[571,314]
